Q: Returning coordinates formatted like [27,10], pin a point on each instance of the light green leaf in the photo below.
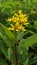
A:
[30,40]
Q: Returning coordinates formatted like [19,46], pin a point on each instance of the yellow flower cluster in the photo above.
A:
[19,20]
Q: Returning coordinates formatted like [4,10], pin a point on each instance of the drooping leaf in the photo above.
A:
[29,41]
[6,35]
[3,49]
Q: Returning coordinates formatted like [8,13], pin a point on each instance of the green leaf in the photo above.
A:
[9,53]
[3,49]
[23,53]
[7,35]
[29,41]
[32,60]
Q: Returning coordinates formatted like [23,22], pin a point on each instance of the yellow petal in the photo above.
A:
[9,19]
[25,15]
[17,30]
[12,25]
[16,14]
[11,28]
[25,23]
[20,11]
[17,24]
[12,18]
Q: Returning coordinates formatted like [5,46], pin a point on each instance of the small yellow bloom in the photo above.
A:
[21,20]
[18,19]
[25,23]
[25,15]
[25,19]
[21,28]
[21,16]
[10,28]
[12,25]
[16,14]
[17,30]
[9,20]
[17,24]
[20,12]
[12,18]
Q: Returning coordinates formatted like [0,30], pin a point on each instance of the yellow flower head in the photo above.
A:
[19,20]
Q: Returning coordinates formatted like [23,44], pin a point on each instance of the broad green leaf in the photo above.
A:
[29,41]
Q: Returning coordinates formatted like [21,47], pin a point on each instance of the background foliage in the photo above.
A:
[27,48]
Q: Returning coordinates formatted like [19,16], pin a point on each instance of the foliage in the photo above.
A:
[18,47]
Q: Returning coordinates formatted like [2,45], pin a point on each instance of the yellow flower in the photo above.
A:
[25,19]
[25,23]
[10,28]
[9,19]
[25,15]
[21,16]
[12,18]
[20,11]
[17,24]
[16,14]
[21,28]
[12,25]
[17,30]
[19,20]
